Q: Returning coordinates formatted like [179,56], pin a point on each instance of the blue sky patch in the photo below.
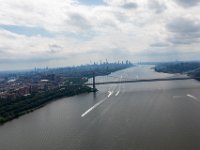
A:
[92,2]
[82,37]
[27,31]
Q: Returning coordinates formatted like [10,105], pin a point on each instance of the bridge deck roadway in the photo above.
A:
[141,80]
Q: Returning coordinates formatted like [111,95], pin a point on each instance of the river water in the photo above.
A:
[123,116]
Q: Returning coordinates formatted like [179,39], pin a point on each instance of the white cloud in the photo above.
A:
[137,27]
[157,6]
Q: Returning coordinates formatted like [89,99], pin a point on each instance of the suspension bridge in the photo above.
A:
[121,80]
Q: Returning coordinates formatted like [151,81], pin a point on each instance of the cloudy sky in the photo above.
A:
[39,33]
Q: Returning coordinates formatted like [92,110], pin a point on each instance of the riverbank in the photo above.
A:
[12,109]
[46,86]
[191,69]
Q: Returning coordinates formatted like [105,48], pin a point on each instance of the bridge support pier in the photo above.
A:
[94,84]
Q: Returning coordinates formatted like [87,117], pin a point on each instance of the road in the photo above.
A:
[139,116]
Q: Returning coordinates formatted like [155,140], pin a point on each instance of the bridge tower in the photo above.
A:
[94,84]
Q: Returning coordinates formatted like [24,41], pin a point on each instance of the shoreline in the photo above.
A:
[46,101]
[39,100]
